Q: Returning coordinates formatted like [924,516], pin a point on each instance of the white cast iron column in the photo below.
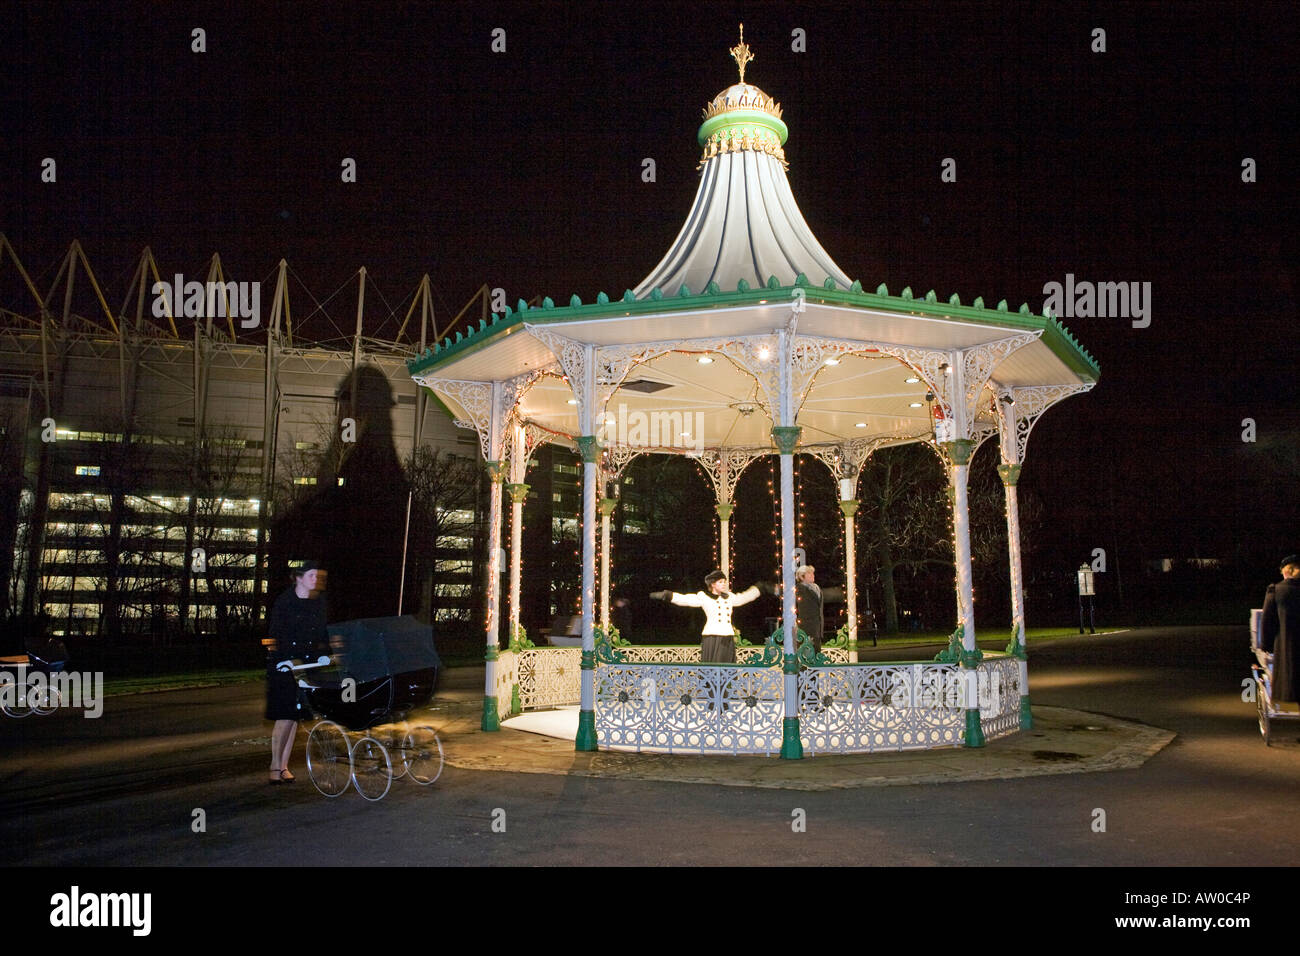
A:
[496,476]
[518,492]
[589,446]
[786,436]
[1010,474]
[607,506]
[849,506]
[724,509]
[959,447]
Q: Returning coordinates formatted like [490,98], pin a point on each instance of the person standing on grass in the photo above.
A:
[297,632]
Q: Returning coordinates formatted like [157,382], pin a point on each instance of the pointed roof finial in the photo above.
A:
[740,53]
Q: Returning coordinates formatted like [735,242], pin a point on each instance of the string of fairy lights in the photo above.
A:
[801,527]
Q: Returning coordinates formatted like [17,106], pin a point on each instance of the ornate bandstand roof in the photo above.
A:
[691,337]
[745,223]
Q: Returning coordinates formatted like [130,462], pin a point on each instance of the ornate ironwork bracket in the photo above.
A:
[955,653]
[1029,403]
[607,651]
[807,654]
[772,651]
[519,640]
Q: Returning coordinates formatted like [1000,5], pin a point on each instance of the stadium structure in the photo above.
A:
[145,451]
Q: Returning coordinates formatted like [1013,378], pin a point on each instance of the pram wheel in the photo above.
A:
[421,755]
[329,760]
[372,768]
[1261,706]
[44,701]
[15,701]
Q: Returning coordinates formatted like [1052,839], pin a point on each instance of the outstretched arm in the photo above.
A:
[744,597]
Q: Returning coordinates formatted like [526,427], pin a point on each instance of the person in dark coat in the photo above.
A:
[809,603]
[297,632]
[1280,634]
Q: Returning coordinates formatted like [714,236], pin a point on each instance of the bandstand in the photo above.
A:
[747,340]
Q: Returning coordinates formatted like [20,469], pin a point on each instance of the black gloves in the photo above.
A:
[661,595]
[766,587]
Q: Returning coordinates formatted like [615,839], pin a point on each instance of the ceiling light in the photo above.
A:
[572,401]
[706,360]
[912,381]
[832,361]
[859,424]
[764,353]
[914,405]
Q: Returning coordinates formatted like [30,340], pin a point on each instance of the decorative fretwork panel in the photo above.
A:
[865,708]
[709,709]
[981,360]
[476,400]
[549,676]
[507,673]
[725,466]
[999,697]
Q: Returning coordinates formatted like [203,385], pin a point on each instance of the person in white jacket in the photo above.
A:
[717,643]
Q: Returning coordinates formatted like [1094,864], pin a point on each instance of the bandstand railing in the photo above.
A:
[661,698]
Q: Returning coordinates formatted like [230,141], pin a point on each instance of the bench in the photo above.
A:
[565,631]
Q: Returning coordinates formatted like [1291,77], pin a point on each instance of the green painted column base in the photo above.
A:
[1026,718]
[586,739]
[516,705]
[791,745]
[974,732]
[491,719]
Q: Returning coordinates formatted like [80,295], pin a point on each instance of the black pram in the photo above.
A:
[382,668]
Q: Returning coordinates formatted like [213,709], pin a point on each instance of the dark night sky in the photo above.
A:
[522,170]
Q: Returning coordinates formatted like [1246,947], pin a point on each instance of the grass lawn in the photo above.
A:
[988,639]
[114,687]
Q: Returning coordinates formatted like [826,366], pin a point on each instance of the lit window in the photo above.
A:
[304,481]
[90,470]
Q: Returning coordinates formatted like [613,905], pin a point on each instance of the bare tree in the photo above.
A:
[444,495]
[903,522]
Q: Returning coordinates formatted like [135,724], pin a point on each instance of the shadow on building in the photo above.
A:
[354,519]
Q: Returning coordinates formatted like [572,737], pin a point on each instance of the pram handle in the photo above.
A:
[290,667]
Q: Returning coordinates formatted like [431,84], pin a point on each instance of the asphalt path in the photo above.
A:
[132,787]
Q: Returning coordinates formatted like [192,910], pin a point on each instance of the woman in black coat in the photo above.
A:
[297,631]
[1281,631]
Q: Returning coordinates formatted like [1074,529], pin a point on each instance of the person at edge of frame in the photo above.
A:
[1280,632]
